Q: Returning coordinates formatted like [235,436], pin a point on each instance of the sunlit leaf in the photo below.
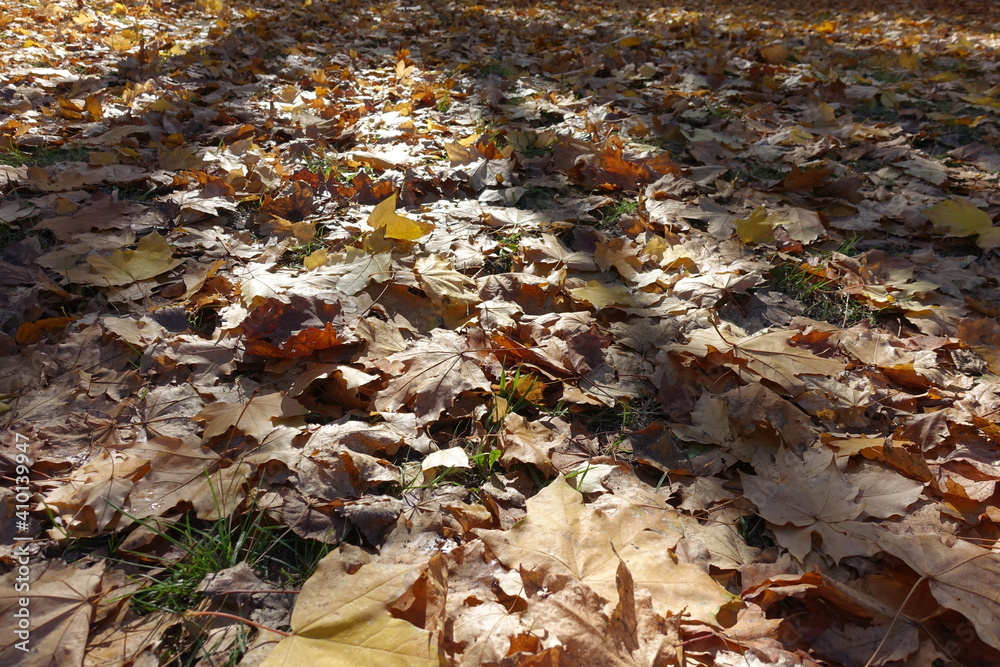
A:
[396,226]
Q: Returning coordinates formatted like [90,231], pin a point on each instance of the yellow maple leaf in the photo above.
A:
[989,239]
[757,228]
[122,41]
[316,259]
[152,257]
[343,620]
[959,216]
[396,226]
[601,296]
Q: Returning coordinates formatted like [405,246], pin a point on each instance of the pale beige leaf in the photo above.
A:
[356,269]
[562,539]
[587,477]
[550,250]
[453,457]
[443,284]
[801,224]
[485,631]
[675,587]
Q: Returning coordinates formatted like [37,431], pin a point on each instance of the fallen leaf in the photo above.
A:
[774,54]
[802,499]
[396,226]
[758,228]
[255,417]
[152,257]
[600,295]
[959,216]
[443,284]
[962,576]
[562,538]
[343,620]
[58,607]
[453,457]
[430,376]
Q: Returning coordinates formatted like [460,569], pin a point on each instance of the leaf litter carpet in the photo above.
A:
[532,333]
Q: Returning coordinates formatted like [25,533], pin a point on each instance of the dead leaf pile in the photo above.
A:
[571,334]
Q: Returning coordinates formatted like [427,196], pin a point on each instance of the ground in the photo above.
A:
[506,334]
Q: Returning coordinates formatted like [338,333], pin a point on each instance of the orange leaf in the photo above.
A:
[806,180]
[29,332]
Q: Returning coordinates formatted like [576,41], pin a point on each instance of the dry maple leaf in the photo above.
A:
[532,442]
[152,257]
[550,250]
[343,620]
[444,285]
[484,630]
[255,417]
[430,376]
[351,271]
[91,499]
[770,356]
[295,326]
[178,474]
[632,636]
[811,495]
[962,576]
[59,609]
[562,539]
[513,253]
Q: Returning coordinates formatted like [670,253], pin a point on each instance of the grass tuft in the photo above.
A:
[275,553]
[42,157]
[821,299]
[612,213]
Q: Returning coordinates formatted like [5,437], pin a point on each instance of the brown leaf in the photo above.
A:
[532,442]
[255,417]
[298,327]
[803,498]
[430,376]
[962,576]
[57,609]
[806,180]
